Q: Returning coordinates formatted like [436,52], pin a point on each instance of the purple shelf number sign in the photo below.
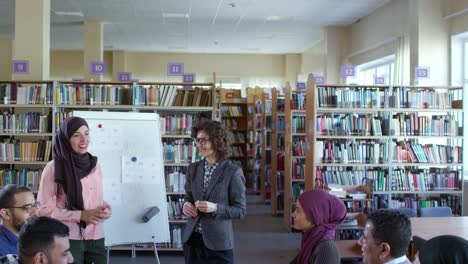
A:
[98,68]
[300,86]
[348,71]
[422,72]
[20,66]
[188,78]
[379,80]
[124,76]
[175,68]
[319,79]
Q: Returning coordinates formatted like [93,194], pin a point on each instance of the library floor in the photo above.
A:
[259,239]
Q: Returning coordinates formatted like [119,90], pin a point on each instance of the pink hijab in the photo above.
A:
[326,212]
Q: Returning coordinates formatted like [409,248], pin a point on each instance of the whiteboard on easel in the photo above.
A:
[129,151]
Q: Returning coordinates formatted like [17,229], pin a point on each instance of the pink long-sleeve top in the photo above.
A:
[53,202]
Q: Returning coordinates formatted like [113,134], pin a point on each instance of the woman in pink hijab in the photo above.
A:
[317,215]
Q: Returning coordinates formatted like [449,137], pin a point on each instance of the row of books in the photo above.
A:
[327,176]
[177,124]
[174,207]
[299,146]
[130,94]
[237,152]
[298,124]
[353,151]
[298,101]
[24,177]
[89,94]
[232,124]
[15,150]
[13,93]
[416,203]
[232,111]
[407,151]
[414,125]
[350,124]
[179,150]
[348,234]
[269,122]
[31,122]
[175,181]
[60,116]
[258,122]
[427,180]
[357,206]
[280,181]
[297,189]
[280,124]
[298,168]
[238,137]
[379,97]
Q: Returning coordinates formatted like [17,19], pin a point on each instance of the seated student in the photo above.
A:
[317,215]
[17,204]
[386,237]
[42,240]
[444,249]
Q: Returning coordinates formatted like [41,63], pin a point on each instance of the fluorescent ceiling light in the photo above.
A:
[64,13]
[273,18]
[175,15]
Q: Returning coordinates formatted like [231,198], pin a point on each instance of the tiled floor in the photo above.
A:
[259,239]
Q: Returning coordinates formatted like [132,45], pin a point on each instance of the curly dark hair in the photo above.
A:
[392,227]
[220,137]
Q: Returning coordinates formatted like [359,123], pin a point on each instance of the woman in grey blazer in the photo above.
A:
[215,194]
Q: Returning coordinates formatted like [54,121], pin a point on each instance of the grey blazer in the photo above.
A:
[227,190]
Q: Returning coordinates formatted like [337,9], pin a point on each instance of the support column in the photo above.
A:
[334,41]
[32,38]
[119,63]
[93,48]
[292,68]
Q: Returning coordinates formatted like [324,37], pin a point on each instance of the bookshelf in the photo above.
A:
[234,116]
[266,132]
[35,113]
[277,152]
[259,140]
[26,131]
[408,140]
[298,142]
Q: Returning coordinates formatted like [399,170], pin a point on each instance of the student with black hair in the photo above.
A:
[43,240]
[386,237]
[17,204]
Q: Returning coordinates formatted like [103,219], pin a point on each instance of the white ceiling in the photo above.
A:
[202,26]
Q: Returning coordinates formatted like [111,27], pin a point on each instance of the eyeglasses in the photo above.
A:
[201,141]
[27,207]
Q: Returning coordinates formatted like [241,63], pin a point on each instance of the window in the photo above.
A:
[366,73]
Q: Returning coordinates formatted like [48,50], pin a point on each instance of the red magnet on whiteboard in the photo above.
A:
[99,126]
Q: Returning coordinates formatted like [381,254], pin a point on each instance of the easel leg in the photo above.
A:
[108,254]
[155,248]
[133,251]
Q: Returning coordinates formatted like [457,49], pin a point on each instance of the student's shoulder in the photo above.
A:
[9,259]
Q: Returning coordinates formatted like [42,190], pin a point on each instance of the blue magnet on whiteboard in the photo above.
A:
[134,159]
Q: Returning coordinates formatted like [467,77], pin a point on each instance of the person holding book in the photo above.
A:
[215,194]
[317,215]
[17,204]
[386,237]
[445,249]
[71,191]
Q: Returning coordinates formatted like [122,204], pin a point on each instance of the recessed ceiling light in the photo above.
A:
[273,18]
[64,13]
[176,15]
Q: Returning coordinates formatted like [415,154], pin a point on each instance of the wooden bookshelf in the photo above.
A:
[266,146]
[410,141]
[277,173]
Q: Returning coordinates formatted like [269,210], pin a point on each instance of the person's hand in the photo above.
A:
[93,216]
[189,209]
[107,209]
[206,207]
